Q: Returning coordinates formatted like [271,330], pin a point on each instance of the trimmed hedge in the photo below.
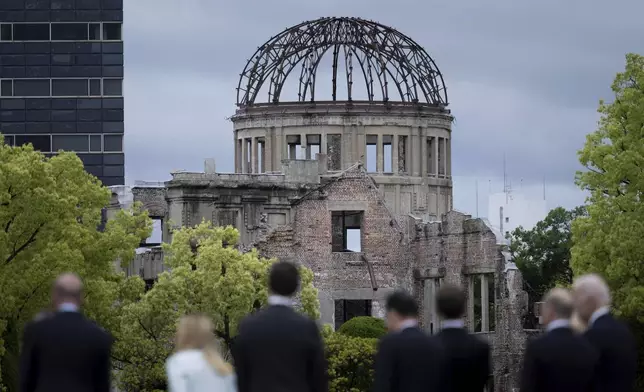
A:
[350,362]
[364,327]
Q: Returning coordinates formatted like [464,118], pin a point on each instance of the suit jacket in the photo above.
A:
[559,361]
[278,349]
[464,354]
[617,354]
[407,361]
[65,352]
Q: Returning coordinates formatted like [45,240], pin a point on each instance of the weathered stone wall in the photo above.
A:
[344,275]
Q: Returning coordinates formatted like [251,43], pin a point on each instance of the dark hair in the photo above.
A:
[450,301]
[283,279]
[402,303]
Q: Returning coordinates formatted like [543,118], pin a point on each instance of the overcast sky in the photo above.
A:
[524,79]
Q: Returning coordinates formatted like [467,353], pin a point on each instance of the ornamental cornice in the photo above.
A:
[249,121]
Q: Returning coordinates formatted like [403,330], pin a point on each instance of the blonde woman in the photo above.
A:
[196,364]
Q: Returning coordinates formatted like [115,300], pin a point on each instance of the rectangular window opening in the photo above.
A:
[94,31]
[313,145]
[95,87]
[95,143]
[112,31]
[441,156]
[77,143]
[6,32]
[491,297]
[156,237]
[31,31]
[346,231]
[387,149]
[113,143]
[40,143]
[371,153]
[113,87]
[31,88]
[431,155]
[69,87]
[346,309]
[6,88]
[8,140]
[260,156]
[247,157]
[484,302]
[294,147]
[69,32]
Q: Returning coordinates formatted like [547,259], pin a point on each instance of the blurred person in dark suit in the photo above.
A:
[277,349]
[408,360]
[560,360]
[64,351]
[616,345]
[464,353]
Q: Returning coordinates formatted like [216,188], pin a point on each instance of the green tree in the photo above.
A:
[543,252]
[49,213]
[609,240]
[350,362]
[208,275]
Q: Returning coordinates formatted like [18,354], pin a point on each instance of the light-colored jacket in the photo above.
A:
[188,371]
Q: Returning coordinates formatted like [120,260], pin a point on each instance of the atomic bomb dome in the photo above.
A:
[392,65]
[386,108]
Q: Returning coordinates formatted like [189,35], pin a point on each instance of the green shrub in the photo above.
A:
[364,327]
[350,362]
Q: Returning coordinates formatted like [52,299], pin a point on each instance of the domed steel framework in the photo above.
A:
[383,54]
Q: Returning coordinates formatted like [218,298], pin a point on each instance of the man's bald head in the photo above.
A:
[590,292]
[67,288]
[557,304]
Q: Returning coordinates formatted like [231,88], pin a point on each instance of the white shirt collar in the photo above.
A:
[559,323]
[68,307]
[409,323]
[280,300]
[598,313]
[456,323]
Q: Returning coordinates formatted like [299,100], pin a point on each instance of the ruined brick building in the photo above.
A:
[360,191]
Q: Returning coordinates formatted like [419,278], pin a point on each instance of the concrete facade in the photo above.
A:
[294,215]
[408,144]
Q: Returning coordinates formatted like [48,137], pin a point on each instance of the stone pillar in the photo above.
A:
[485,304]
[380,154]
[435,155]
[414,150]
[448,152]
[254,156]
[470,302]
[305,146]
[244,165]
[268,150]
[423,153]
[394,154]
[236,145]
[323,147]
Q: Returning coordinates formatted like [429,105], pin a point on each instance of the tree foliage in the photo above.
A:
[49,213]
[209,275]
[350,362]
[609,240]
[543,252]
[364,327]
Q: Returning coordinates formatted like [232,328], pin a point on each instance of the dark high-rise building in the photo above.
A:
[61,80]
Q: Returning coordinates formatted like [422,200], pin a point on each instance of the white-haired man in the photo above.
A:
[560,359]
[617,367]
